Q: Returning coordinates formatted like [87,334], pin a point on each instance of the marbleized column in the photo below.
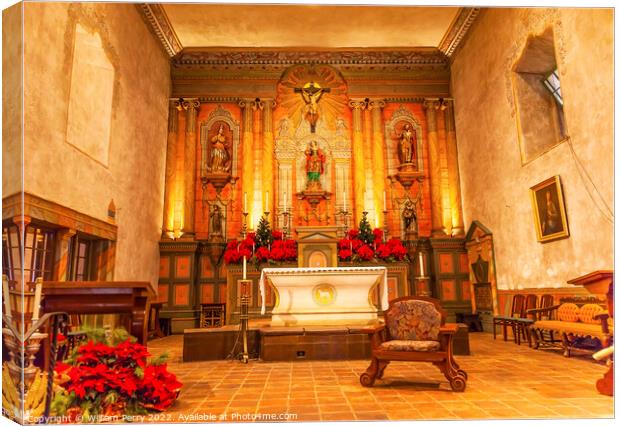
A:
[446,215]
[267,153]
[61,253]
[189,165]
[458,227]
[171,165]
[257,135]
[378,157]
[247,169]
[359,179]
[435,168]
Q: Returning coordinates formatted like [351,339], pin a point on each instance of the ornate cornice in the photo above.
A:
[458,29]
[55,214]
[155,15]
[200,56]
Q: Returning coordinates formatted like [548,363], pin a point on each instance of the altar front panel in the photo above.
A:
[325,296]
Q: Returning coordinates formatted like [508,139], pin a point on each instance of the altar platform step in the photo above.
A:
[281,343]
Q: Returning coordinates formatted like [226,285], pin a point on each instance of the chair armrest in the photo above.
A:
[448,329]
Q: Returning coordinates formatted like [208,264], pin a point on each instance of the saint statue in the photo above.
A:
[216,221]
[315,161]
[311,93]
[220,159]
[409,216]
[406,145]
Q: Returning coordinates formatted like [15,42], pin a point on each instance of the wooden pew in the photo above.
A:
[102,297]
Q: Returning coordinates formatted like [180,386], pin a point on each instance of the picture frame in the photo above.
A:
[549,210]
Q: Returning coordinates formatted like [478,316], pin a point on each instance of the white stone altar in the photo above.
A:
[324,296]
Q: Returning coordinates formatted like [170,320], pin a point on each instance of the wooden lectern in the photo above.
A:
[101,297]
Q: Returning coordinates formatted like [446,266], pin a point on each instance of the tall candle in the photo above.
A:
[267,202]
[37,301]
[7,301]
[245,267]
[421,260]
[285,201]
[344,200]
[245,202]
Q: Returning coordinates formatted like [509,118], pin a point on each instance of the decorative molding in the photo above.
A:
[219,99]
[458,29]
[203,56]
[158,21]
[55,214]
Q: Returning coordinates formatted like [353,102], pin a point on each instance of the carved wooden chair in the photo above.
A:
[521,325]
[505,321]
[542,313]
[414,330]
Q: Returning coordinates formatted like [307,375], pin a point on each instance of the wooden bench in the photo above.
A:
[577,320]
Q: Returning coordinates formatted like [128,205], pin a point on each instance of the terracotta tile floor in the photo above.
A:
[506,381]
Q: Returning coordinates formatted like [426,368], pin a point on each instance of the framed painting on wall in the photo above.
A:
[549,211]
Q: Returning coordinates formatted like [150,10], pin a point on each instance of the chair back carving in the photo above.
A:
[518,304]
[531,301]
[414,318]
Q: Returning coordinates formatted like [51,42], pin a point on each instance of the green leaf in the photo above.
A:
[139,372]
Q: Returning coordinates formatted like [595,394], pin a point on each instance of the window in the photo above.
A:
[38,253]
[552,82]
[538,98]
[81,259]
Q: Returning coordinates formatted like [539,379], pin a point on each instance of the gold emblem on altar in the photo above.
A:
[324,294]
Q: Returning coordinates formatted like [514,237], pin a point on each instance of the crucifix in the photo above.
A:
[311,93]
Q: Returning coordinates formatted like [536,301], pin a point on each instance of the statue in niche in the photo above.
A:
[220,157]
[315,162]
[311,93]
[409,216]
[406,145]
[216,222]
[341,128]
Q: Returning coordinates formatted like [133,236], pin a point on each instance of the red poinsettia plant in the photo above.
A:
[100,379]
[271,249]
[369,246]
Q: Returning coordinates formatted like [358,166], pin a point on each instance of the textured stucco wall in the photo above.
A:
[134,174]
[11,99]
[495,184]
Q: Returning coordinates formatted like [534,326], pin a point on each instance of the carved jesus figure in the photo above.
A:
[311,93]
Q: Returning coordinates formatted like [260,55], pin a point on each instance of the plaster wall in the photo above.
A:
[133,175]
[11,99]
[495,182]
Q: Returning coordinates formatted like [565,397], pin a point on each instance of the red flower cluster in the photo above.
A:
[354,249]
[280,251]
[123,369]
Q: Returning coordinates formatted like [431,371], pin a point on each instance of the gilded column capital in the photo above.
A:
[430,104]
[376,104]
[357,104]
[191,104]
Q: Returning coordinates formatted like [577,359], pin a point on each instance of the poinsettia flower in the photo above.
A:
[277,235]
[344,254]
[365,252]
[232,245]
[383,251]
[345,243]
[353,234]
[278,254]
[378,233]
[262,254]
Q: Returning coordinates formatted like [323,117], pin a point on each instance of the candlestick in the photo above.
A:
[245,202]
[7,300]
[421,260]
[344,201]
[384,202]
[37,300]
[267,202]
[285,201]
[245,267]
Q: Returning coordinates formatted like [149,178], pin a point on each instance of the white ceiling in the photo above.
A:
[277,26]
